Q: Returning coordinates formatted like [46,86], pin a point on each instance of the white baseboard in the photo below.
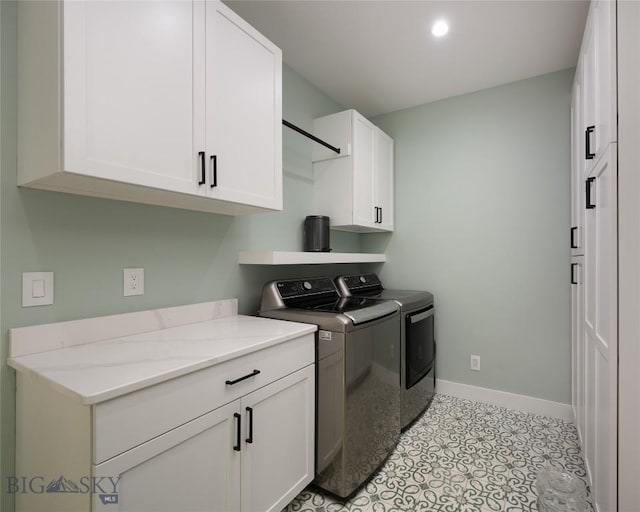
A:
[523,403]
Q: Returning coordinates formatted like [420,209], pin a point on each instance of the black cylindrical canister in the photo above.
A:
[316,233]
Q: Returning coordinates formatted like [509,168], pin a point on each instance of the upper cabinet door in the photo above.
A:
[598,63]
[384,180]
[605,55]
[129,93]
[243,111]
[364,209]
[587,68]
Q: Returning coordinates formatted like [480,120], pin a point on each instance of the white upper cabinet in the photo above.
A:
[354,188]
[598,77]
[244,111]
[362,158]
[175,103]
[383,176]
[129,117]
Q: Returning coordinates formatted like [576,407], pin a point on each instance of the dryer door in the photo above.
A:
[420,344]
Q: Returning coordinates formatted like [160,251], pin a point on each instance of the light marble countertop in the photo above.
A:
[99,371]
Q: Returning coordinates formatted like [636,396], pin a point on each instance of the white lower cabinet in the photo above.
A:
[601,329]
[279,462]
[252,455]
[577,343]
[238,436]
[192,468]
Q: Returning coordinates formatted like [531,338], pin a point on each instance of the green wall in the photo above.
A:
[482,221]
[187,256]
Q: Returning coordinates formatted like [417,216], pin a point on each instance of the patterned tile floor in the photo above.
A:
[462,456]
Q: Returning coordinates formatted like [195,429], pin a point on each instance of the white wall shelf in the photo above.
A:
[306,258]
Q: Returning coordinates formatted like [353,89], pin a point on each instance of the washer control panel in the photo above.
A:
[302,287]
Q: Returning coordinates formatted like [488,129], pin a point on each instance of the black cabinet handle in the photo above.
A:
[589,204]
[380,215]
[375,209]
[202,169]
[587,142]
[238,447]
[573,244]
[250,438]
[573,266]
[248,376]
[214,171]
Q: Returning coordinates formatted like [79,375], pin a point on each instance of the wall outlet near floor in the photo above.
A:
[133,281]
[475,363]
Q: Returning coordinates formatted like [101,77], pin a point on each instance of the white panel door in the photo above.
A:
[588,81]
[605,73]
[601,335]
[364,133]
[577,344]
[576,234]
[129,92]
[244,111]
[383,180]
[192,468]
[598,62]
[278,452]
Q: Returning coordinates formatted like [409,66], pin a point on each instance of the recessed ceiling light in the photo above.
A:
[440,28]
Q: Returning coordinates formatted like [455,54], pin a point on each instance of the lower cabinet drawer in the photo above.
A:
[128,421]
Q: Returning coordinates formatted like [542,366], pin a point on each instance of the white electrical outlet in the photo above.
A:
[475,363]
[133,281]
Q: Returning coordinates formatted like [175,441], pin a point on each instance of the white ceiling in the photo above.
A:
[379,56]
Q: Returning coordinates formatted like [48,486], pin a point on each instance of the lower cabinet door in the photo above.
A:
[193,468]
[578,344]
[278,442]
[601,330]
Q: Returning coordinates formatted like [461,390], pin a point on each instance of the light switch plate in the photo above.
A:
[37,289]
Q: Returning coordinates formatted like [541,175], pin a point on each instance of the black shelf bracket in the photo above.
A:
[310,136]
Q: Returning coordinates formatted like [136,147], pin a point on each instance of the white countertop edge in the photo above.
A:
[110,394]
